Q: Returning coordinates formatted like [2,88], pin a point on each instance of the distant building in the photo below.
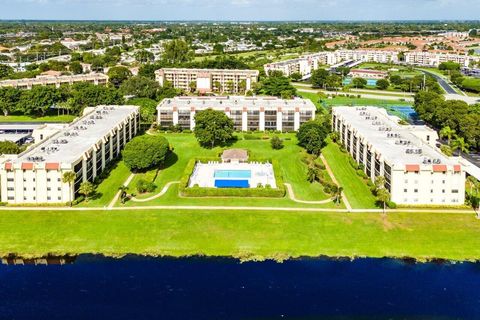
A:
[368,74]
[28,83]
[416,173]
[84,147]
[247,113]
[206,80]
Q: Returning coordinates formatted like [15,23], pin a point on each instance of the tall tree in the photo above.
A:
[69,177]
[213,128]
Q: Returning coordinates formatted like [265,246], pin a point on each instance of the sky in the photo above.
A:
[245,10]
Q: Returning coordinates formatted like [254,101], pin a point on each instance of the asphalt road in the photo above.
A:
[443,83]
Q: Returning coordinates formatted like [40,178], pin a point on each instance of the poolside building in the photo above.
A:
[247,113]
[57,81]
[208,80]
[84,147]
[416,172]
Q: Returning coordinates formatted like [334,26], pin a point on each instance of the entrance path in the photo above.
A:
[330,173]
[115,199]
[158,195]
[291,195]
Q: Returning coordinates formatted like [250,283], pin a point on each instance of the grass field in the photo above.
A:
[356,191]
[344,101]
[15,118]
[242,234]
[294,171]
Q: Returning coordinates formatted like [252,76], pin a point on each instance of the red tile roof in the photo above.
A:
[52,166]
[27,166]
[412,167]
[439,168]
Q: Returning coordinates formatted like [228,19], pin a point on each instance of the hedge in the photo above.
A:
[264,192]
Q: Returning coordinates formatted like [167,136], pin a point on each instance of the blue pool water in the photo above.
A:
[222,183]
[370,82]
[232,174]
[407,112]
[136,287]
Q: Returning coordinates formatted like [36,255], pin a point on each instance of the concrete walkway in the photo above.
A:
[158,195]
[330,173]
[291,195]
[117,195]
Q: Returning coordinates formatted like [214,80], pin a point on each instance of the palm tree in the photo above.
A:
[383,196]
[448,133]
[123,193]
[460,145]
[338,195]
[379,182]
[69,177]
[87,189]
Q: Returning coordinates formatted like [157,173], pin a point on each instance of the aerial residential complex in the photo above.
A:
[28,83]
[416,173]
[208,80]
[85,147]
[306,64]
[247,113]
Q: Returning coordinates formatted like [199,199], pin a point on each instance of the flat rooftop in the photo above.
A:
[190,70]
[71,142]
[43,79]
[237,102]
[372,123]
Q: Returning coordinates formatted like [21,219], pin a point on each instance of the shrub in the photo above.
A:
[276,143]
[353,163]
[391,204]
[144,186]
[144,152]
[361,173]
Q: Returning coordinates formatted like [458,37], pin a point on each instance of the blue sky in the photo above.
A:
[241,9]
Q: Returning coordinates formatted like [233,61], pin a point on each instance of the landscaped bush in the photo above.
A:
[276,143]
[144,186]
[391,204]
[249,136]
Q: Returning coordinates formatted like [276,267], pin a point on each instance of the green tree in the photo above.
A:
[192,86]
[117,75]
[144,56]
[276,85]
[144,152]
[9,98]
[448,133]
[69,177]
[459,144]
[75,67]
[213,128]
[384,197]
[311,135]
[359,82]
[177,52]
[87,189]
[218,48]
[123,193]
[297,76]
[383,84]
[276,143]
[319,78]
[8,147]
[140,87]
[148,109]
[5,71]
[217,86]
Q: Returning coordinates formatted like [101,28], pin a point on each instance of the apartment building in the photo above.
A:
[84,147]
[247,113]
[368,74]
[289,67]
[207,80]
[433,59]
[416,173]
[57,81]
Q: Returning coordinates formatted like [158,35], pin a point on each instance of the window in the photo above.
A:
[59,189]
[49,189]
[431,190]
[415,190]
[58,179]
[48,179]
[33,188]
[24,198]
[49,198]
[405,190]
[10,179]
[454,190]
[59,198]
[443,190]
[24,189]
[443,181]
[11,198]
[10,189]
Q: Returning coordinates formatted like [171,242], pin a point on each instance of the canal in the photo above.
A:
[133,287]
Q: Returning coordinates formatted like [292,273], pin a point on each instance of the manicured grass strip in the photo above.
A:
[107,189]
[344,101]
[246,234]
[357,192]
[14,118]
[313,97]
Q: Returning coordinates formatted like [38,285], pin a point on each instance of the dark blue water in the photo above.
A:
[195,288]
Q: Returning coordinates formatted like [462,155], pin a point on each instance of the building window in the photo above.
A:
[49,189]
[59,189]
[48,179]
[59,198]
[443,181]
[443,190]
[415,190]
[10,189]
[49,198]
[405,190]
[454,190]
[10,179]
[11,198]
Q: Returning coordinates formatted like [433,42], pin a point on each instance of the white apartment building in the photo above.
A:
[289,67]
[416,173]
[28,83]
[433,59]
[84,147]
[206,80]
[247,113]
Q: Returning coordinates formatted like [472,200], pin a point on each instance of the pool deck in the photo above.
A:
[261,173]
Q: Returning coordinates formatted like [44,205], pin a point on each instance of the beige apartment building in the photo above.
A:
[57,81]
[84,147]
[247,113]
[208,80]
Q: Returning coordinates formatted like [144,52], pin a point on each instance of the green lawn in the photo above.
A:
[313,97]
[356,191]
[344,101]
[107,189]
[242,234]
[15,118]
[186,147]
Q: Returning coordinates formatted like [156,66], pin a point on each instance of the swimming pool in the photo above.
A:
[370,82]
[232,174]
